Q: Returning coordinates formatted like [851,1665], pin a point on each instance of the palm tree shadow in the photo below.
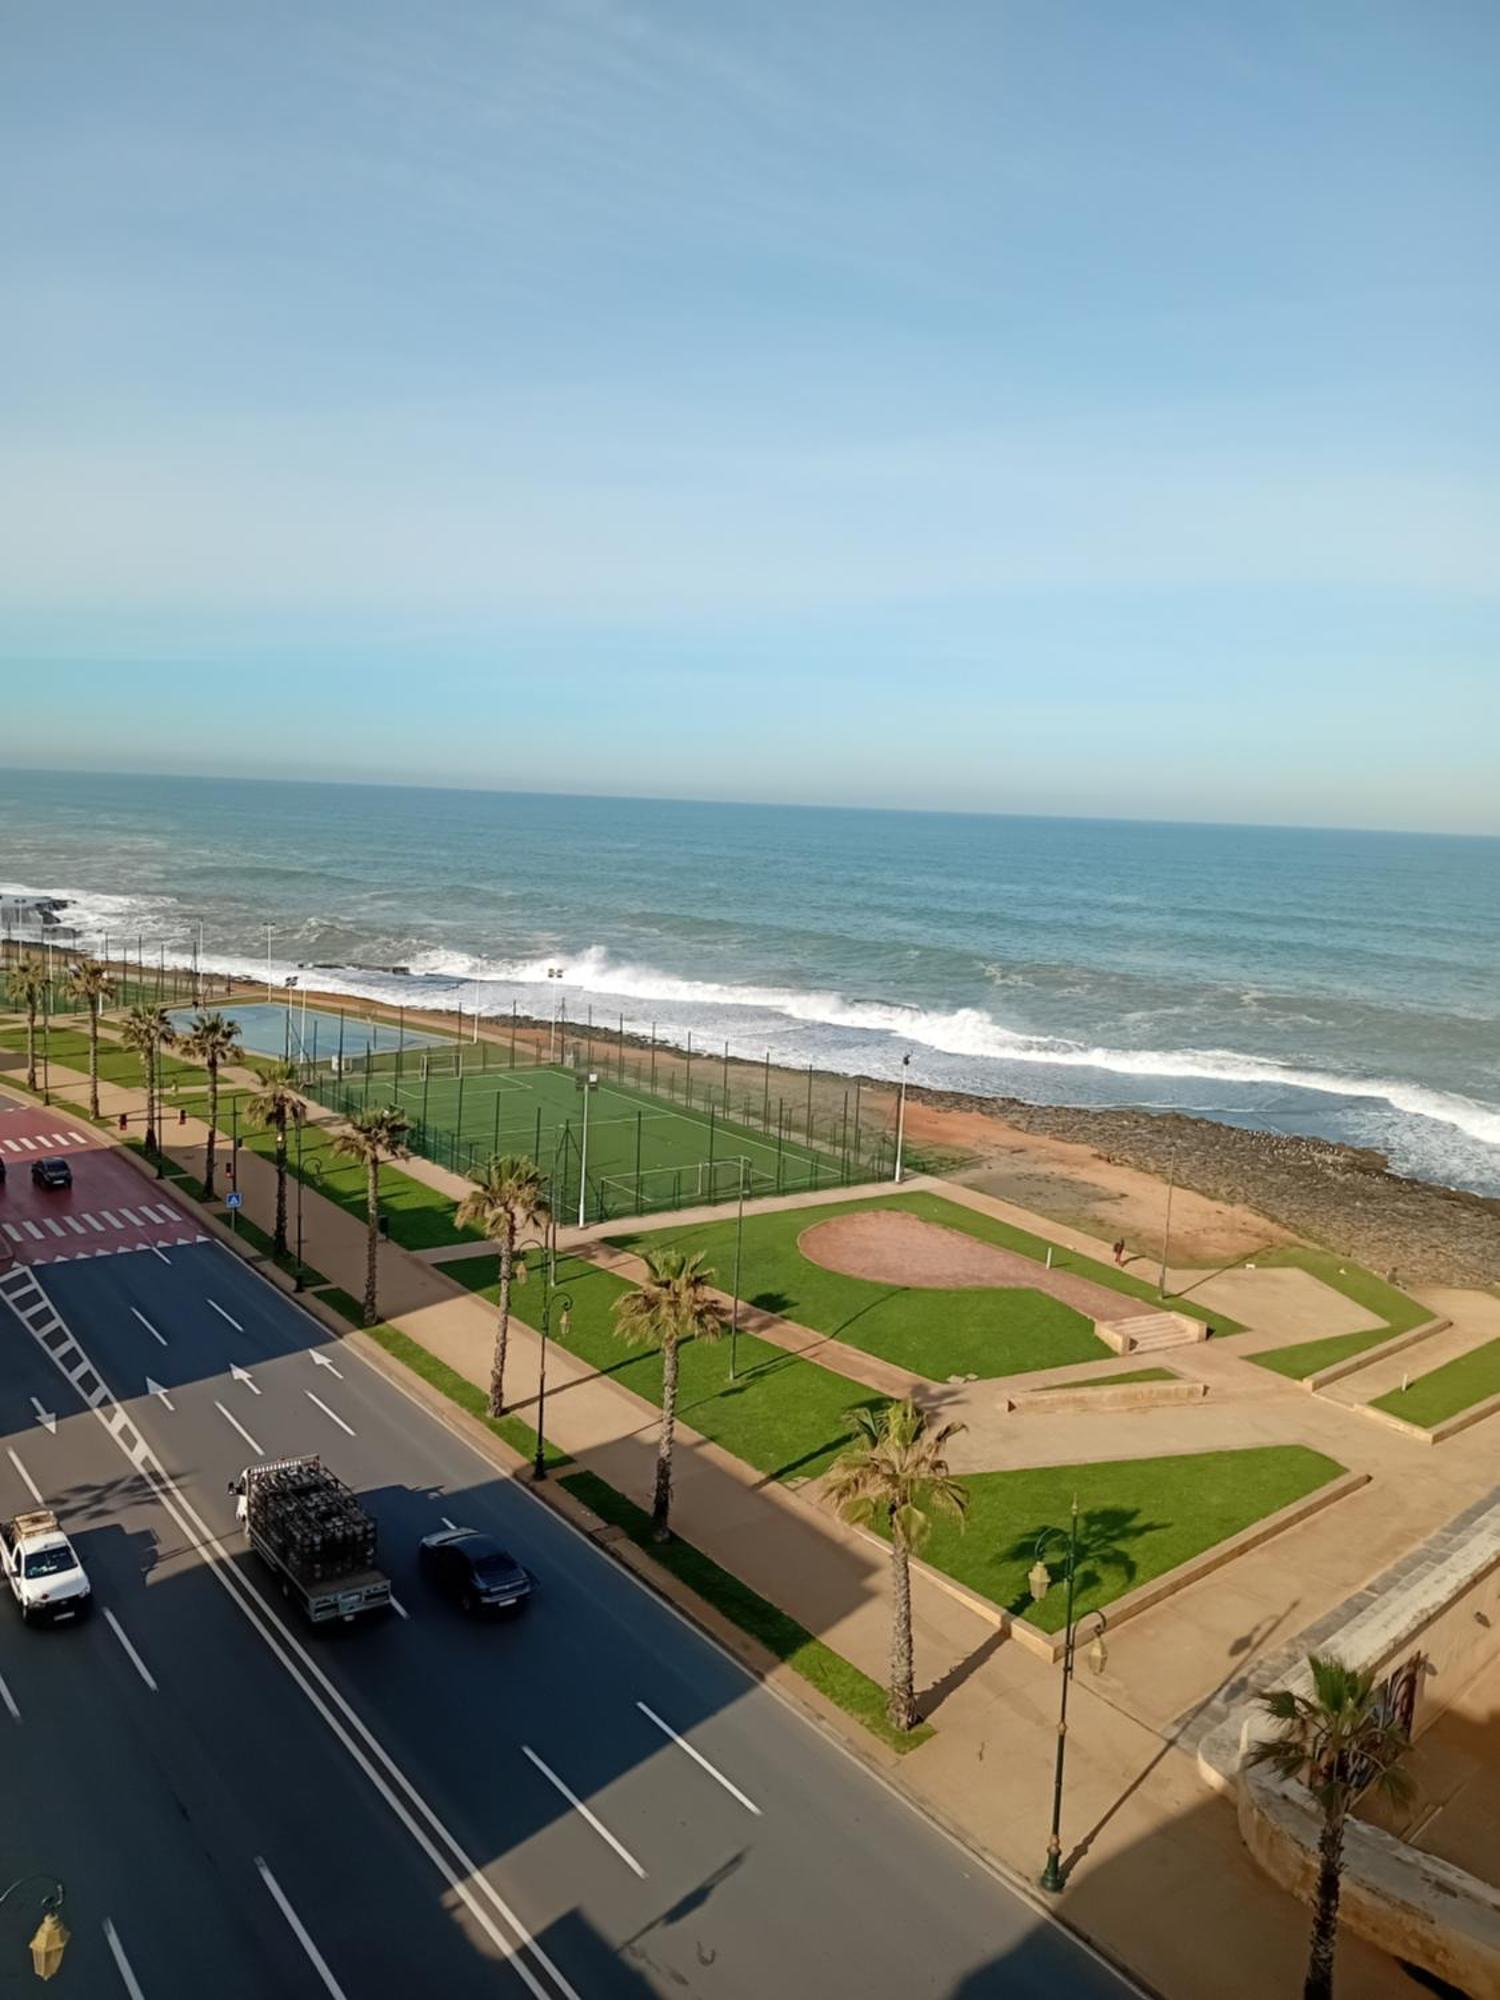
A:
[1104,1536]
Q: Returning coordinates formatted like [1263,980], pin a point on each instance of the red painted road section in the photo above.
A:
[109,1208]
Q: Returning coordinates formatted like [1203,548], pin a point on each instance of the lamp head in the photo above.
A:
[48,1946]
[1038,1580]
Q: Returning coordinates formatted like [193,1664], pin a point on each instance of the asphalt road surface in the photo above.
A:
[586,1800]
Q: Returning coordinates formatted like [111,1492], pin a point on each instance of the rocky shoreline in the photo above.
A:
[1412,1231]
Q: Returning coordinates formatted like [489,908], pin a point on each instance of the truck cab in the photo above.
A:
[42,1568]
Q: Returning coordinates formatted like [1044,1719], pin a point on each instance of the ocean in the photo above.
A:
[1343,985]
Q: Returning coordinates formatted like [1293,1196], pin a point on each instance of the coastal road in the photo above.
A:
[624,1808]
[108,1209]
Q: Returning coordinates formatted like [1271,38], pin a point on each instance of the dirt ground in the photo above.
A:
[893,1248]
[1075,1185]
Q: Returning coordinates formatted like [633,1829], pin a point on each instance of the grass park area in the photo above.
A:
[1138,1518]
[1397,1313]
[785,1416]
[70,1048]
[1444,1392]
[644,1152]
[979,1330]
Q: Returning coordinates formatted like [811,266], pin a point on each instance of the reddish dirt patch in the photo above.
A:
[891,1247]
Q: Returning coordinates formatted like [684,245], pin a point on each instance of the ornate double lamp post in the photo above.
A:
[1039,1581]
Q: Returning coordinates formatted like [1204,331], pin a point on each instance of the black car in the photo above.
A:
[474,1570]
[53,1173]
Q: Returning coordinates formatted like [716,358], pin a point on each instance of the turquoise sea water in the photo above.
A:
[1341,984]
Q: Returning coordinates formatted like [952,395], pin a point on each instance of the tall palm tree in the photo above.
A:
[372,1137]
[511,1196]
[91,983]
[1340,1740]
[674,1304]
[148,1031]
[277,1106]
[26,984]
[213,1040]
[894,1476]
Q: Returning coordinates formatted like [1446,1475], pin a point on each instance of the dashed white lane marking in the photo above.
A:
[130,1653]
[398,1607]
[224,1315]
[451,1526]
[26,1479]
[699,1758]
[10,1701]
[157,1252]
[230,1418]
[117,1951]
[299,1931]
[329,1413]
[148,1326]
[593,1818]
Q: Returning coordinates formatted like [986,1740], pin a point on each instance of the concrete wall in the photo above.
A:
[1113,1396]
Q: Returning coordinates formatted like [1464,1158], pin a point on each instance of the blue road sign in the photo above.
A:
[234,1200]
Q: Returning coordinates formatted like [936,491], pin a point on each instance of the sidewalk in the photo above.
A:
[1162,1881]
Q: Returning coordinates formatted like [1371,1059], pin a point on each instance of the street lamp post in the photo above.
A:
[1166,1232]
[1039,1580]
[588,1085]
[901,1115]
[50,1939]
[565,1300]
[298,1281]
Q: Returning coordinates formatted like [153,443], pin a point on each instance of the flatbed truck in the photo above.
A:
[308,1528]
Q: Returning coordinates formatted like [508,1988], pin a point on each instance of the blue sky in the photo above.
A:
[1029,407]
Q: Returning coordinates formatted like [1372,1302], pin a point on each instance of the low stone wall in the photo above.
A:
[1112,1396]
[1368,1356]
[1444,1601]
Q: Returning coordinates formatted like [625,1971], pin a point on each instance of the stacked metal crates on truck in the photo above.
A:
[311,1519]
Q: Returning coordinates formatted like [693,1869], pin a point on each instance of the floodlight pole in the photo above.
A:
[734,1305]
[901,1117]
[589,1083]
[1166,1233]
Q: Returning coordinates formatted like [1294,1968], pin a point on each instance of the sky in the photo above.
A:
[1013,405]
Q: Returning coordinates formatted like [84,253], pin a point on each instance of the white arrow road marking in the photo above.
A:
[243,1375]
[149,1327]
[155,1389]
[224,1315]
[329,1413]
[130,1653]
[230,1418]
[323,1362]
[593,1819]
[45,1418]
[117,1950]
[299,1930]
[699,1758]
[26,1479]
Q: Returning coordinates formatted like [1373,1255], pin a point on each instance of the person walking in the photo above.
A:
[1120,1250]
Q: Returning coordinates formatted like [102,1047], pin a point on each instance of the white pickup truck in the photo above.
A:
[46,1578]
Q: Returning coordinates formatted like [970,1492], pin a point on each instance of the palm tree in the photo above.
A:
[148,1030]
[27,984]
[894,1476]
[213,1040]
[511,1196]
[373,1137]
[277,1106]
[674,1304]
[90,983]
[1340,1740]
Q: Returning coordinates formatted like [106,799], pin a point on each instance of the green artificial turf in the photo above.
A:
[785,1416]
[1138,1518]
[1442,1393]
[978,1330]
[780,1634]
[1397,1312]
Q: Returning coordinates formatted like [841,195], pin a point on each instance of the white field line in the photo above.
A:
[127,1974]
[26,1479]
[593,1818]
[330,1413]
[130,1653]
[699,1758]
[299,1931]
[418,1819]
[230,1418]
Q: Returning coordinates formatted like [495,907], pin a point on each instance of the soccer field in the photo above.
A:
[641,1152]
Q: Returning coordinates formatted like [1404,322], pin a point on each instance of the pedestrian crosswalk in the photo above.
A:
[60,1234]
[44,1142]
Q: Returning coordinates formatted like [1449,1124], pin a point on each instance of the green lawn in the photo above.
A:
[785,1416]
[1398,1313]
[1139,1517]
[1443,1392]
[978,1330]
[70,1047]
[420,1217]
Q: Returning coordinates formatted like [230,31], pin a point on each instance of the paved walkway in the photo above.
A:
[1160,1865]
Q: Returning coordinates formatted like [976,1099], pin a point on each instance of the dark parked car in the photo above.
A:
[53,1173]
[474,1571]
